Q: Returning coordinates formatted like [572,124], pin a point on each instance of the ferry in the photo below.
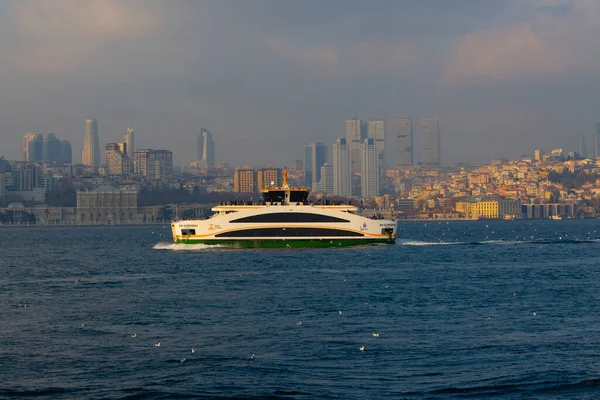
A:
[285,218]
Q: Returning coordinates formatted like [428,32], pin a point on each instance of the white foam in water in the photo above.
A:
[419,243]
[179,246]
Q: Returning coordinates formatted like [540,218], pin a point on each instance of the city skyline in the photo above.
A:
[261,81]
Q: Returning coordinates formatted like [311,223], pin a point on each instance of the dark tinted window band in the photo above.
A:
[289,217]
[289,232]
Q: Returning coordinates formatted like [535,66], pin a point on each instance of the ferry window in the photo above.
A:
[289,217]
[187,232]
[387,230]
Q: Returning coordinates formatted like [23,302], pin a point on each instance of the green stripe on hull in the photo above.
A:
[274,243]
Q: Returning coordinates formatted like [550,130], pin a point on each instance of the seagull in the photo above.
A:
[362,348]
[193,350]
[489,318]
[514,294]
[534,313]
[157,344]
[133,336]
[82,325]
[182,360]
[340,312]
[251,356]
[375,334]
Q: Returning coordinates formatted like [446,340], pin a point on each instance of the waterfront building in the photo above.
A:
[404,142]
[107,205]
[130,141]
[268,177]
[91,144]
[341,169]
[244,180]
[596,150]
[315,155]
[376,131]
[117,161]
[369,182]
[356,133]
[430,137]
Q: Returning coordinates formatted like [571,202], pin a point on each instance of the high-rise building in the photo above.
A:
[26,177]
[160,164]
[583,147]
[153,164]
[430,138]
[377,133]
[325,185]
[341,169]
[244,180]
[299,165]
[141,158]
[117,161]
[538,155]
[206,148]
[52,149]
[369,176]
[315,155]
[66,152]
[268,177]
[404,142]
[130,140]
[33,147]
[356,133]
[91,144]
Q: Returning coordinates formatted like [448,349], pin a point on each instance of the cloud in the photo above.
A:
[62,36]
[547,45]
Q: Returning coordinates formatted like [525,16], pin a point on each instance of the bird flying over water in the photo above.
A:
[157,344]
[133,335]
[375,334]
[362,348]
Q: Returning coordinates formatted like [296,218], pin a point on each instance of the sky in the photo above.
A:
[268,76]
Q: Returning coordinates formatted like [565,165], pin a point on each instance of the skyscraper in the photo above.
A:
[430,138]
[206,148]
[341,169]
[66,152]
[356,133]
[130,141]
[583,147]
[377,133]
[369,176]
[91,144]
[404,142]
[33,147]
[52,148]
[315,155]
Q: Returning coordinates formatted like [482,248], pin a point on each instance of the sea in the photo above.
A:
[454,309]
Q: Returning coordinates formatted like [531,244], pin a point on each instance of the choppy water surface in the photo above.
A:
[461,309]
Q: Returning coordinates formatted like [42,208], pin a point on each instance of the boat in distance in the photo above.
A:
[284,218]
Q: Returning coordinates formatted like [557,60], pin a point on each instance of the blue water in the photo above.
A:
[453,304]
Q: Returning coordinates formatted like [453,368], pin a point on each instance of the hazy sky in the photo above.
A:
[267,76]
